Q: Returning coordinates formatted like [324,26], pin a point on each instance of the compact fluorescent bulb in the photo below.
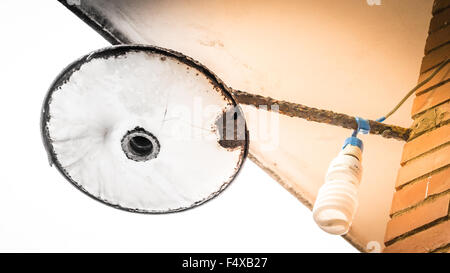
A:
[337,199]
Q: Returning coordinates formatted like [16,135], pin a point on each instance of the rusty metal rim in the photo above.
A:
[115,51]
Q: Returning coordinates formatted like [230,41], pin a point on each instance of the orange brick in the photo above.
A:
[442,76]
[425,142]
[440,20]
[440,5]
[417,217]
[431,98]
[434,58]
[437,39]
[439,182]
[423,165]
[424,241]
[418,191]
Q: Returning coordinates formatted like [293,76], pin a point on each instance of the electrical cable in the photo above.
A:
[442,65]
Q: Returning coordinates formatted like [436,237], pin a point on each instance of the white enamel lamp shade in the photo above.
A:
[143,129]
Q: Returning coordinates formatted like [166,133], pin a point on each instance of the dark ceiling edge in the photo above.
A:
[98,23]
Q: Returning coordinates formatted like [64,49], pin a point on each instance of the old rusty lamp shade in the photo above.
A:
[144,129]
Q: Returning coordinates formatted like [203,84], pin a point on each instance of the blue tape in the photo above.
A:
[381,119]
[354,141]
[363,126]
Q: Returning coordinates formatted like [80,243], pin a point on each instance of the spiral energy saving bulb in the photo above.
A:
[337,199]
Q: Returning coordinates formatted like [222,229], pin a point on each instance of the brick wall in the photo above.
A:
[420,207]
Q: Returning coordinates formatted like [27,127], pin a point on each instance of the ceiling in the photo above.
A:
[344,56]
